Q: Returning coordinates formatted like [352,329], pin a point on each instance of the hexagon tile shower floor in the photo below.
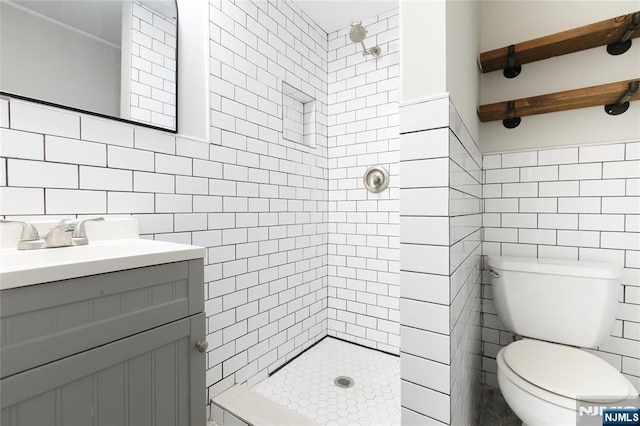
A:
[306,385]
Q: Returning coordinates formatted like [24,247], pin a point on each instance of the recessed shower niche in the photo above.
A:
[299,116]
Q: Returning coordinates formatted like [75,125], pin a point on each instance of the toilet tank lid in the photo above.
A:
[577,268]
[566,371]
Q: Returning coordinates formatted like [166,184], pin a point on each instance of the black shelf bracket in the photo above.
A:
[625,41]
[512,121]
[512,70]
[622,105]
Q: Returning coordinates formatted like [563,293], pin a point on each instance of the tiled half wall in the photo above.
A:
[440,265]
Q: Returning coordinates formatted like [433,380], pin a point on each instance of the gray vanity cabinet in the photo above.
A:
[106,350]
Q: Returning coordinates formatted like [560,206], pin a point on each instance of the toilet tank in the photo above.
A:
[562,301]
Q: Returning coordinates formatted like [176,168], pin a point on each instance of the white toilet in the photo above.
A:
[572,304]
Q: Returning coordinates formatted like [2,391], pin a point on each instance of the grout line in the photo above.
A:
[288,362]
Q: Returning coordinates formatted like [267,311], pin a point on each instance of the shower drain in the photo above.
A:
[343,382]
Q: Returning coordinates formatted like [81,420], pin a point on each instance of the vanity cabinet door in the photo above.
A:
[43,323]
[152,378]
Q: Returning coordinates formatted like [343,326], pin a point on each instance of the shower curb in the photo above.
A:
[254,409]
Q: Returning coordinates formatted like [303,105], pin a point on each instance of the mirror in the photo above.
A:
[112,58]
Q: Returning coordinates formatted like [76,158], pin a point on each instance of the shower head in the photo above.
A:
[357,35]
[357,32]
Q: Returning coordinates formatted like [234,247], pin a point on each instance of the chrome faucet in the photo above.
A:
[29,239]
[80,234]
[67,232]
[61,235]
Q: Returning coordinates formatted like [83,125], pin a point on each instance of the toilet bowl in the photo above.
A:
[557,306]
[548,391]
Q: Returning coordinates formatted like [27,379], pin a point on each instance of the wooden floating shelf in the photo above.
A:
[598,34]
[560,101]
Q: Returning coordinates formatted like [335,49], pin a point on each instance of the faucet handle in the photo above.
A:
[29,232]
[61,234]
[80,234]
[67,225]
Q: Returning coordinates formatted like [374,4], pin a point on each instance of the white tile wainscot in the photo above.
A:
[580,203]
[257,206]
[440,217]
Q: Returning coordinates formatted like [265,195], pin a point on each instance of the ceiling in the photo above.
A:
[333,15]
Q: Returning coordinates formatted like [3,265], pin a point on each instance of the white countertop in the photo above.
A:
[26,267]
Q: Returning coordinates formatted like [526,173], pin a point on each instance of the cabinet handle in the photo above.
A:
[202,346]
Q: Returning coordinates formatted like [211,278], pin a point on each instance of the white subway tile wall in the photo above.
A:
[266,198]
[578,203]
[153,67]
[296,247]
[440,266]
[364,296]
[257,202]
[298,116]
[51,121]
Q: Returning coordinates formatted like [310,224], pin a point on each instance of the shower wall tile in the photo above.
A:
[255,201]
[268,195]
[440,267]
[363,227]
[586,212]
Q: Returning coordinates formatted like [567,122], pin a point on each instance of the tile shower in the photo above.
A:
[296,248]
[268,272]
[306,385]
[363,238]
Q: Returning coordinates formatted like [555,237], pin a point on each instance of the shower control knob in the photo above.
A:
[376,179]
[202,346]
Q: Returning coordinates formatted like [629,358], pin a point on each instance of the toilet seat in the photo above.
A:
[561,374]
[566,371]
